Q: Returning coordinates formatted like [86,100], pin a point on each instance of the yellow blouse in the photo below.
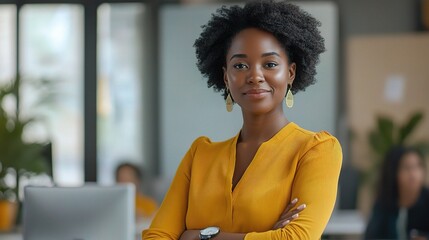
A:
[293,163]
[145,206]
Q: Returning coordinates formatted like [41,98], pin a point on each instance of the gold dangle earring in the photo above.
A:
[289,97]
[229,102]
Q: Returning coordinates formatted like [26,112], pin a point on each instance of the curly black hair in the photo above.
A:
[295,29]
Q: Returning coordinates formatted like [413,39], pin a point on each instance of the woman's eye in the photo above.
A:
[271,65]
[240,66]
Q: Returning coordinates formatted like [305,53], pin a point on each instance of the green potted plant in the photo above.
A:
[381,139]
[387,134]
[17,156]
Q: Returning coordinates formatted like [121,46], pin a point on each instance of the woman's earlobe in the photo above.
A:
[292,72]
[225,78]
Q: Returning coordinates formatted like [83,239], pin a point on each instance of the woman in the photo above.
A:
[129,173]
[401,210]
[245,186]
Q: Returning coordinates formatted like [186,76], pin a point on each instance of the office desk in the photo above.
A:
[344,224]
[10,236]
[18,235]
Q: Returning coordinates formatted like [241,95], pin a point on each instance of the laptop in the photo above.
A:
[90,212]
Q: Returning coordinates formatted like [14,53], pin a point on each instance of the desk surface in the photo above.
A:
[344,223]
[10,236]
[140,225]
[18,236]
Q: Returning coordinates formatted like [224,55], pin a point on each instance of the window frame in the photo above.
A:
[90,76]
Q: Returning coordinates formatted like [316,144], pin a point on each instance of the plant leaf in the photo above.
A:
[377,143]
[15,153]
[406,130]
[385,127]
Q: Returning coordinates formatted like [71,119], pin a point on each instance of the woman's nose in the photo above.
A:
[255,75]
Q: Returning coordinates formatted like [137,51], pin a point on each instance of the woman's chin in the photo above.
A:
[257,110]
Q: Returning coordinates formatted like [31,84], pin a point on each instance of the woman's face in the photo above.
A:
[127,175]
[257,71]
[411,172]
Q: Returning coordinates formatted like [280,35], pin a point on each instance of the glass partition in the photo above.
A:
[51,67]
[119,98]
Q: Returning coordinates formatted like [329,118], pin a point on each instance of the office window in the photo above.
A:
[119,77]
[7,42]
[51,49]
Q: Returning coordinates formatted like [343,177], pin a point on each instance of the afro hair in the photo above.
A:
[295,29]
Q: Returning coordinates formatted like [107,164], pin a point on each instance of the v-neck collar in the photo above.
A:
[281,134]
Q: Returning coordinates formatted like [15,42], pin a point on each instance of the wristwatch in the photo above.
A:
[208,233]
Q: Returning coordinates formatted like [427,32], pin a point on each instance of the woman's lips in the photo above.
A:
[256,93]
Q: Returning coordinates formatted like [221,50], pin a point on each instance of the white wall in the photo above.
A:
[189,109]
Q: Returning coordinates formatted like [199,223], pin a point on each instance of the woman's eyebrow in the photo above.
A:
[238,56]
[270,54]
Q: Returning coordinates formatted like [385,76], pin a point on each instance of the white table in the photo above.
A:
[18,236]
[10,236]
[345,223]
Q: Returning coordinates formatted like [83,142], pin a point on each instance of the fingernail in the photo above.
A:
[302,206]
[286,222]
[295,216]
[295,200]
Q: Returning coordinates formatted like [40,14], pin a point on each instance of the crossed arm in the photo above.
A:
[315,183]
[288,215]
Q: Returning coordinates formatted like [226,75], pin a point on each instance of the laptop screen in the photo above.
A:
[79,213]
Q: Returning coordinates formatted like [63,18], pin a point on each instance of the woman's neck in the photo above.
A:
[260,128]
[408,197]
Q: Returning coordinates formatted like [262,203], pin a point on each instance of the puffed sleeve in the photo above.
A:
[315,184]
[169,222]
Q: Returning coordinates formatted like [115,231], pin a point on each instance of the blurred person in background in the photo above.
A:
[130,173]
[401,209]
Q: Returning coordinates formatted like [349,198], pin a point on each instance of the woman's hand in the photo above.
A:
[195,235]
[417,235]
[288,214]
[190,235]
[419,238]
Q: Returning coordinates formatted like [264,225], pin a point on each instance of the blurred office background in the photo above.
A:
[122,84]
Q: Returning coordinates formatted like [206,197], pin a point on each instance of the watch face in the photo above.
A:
[210,231]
